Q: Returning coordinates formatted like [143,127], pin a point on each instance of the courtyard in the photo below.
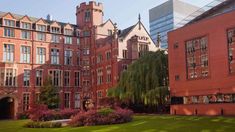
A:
[147,123]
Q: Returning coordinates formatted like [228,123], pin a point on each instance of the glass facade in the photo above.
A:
[167,17]
[162,25]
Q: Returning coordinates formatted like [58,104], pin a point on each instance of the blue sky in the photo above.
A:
[123,12]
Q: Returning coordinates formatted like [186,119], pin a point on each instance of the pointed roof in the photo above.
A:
[9,13]
[109,20]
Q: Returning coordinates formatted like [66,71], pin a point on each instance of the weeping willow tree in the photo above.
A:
[145,81]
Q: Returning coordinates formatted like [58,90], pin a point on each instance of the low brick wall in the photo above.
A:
[204,109]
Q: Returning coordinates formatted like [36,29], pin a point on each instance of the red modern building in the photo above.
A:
[82,59]
[202,65]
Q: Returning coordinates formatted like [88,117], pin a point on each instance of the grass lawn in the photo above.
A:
[153,123]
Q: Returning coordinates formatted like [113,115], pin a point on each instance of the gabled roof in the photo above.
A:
[54,22]
[9,14]
[212,11]
[126,31]
[109,20]
[25,17]
[41,19]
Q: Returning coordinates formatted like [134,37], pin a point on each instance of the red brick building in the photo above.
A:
[83,59]
[201,64]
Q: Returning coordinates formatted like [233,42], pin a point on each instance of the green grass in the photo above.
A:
[151,123]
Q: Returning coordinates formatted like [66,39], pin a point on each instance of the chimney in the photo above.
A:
[49,17]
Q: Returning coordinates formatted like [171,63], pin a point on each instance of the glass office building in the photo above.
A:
[165,17]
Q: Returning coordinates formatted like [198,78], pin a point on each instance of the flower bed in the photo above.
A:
[103,116]
[42,113]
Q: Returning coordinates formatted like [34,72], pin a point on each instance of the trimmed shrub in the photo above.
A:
[105,111]
[33,124]
[104,116]
[42,113]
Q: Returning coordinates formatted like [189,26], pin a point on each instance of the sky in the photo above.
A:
[123,12]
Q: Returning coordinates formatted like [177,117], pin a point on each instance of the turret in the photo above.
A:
[89,14]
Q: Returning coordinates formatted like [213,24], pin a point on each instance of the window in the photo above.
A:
[9,77]
[67,100]
[25,54]
[143,48]
[203,44]
[25,34]
[99,76]
[110,32]
[197,58]
[99,94]
[86,82]
[86,33]
[25,101]
[86,51]
[77,79]
[66,78]
[204,60]
[87,15]
[68,32]
[108,55]
[41,36]
[55,56]
[9,23]
[99,58]
[9,32]
[124,54]
[55,30]
[68,57]
[26,78]
[86,72]
[86,62]
[41,55]
[25,25]
[231,47]
[8,53]
[41,28]
[56,77]
[77,102]
[68,40]
[109,74]
[55,38]
[78,41]
[39,78]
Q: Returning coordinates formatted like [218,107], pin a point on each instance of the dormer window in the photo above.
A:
[25,25]
[41,28]
[87,16]
[55,30]
[9,23]
[68,32]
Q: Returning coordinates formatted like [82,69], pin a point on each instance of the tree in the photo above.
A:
[48,95]
[145,82]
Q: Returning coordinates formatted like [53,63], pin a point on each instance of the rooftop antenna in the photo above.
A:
[139,21]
